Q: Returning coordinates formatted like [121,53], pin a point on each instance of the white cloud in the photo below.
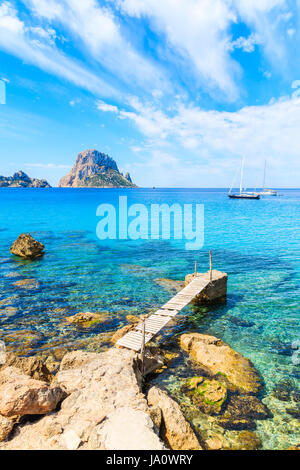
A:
[218,138]
[17,39]
[47,166]
[199,34]
[105,107]
[247,44]
[100,33]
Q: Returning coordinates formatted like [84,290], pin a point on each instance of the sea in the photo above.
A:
[256,242]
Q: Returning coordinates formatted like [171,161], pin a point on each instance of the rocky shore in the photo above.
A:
[101,401]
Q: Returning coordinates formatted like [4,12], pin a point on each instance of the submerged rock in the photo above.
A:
[217,357]
[27,284]
[237,424]
[27,247]
[284,390]
[209,395]
[176,429]
[87,319]
[241,322]
[21,395]
[294,412]
[246,407]
[246,440]
[170,285]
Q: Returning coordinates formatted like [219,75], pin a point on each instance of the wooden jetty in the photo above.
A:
[199,287]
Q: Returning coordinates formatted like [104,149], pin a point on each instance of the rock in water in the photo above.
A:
[218,358]
[27,247]
[206,393]
[178,432]
[21,180]
[21,395]
[95,170]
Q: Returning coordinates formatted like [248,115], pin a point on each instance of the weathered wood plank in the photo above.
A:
[160,318]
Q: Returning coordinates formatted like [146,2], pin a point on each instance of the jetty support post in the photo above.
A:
[210,266]
[143,348]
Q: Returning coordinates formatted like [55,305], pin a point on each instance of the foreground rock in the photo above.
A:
[21,395]
[27,247]
[176,430]
[6,426]
[105,408]
[217,358]
[32,366]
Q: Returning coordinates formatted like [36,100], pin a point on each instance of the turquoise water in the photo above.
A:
[255,242]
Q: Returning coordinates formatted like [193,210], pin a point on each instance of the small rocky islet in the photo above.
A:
[226,395]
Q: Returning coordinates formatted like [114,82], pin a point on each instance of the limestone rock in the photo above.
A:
[21,180]
[122,332]
[6,426]
[246,407]
[99,385]
[87,319]
[217,357]
[95,169]
[32,366]
[128,429]
[178,432]
[21,395]
[207,394]
[27,247]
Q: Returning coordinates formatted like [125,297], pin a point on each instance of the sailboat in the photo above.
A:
[243,194]
[267,192]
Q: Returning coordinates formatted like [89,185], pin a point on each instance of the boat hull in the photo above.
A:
[243,196]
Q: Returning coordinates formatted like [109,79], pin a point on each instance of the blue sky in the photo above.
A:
[175,90]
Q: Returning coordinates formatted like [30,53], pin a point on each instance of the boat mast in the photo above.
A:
[242,174]
[264,182]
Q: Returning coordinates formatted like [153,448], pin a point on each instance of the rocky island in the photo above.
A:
[21,180]
[94,169]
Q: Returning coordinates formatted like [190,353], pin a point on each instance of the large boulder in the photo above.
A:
[177,431]
[27,247]
[99,386]
[21,395]
[218,358]
[6,426]
[33,366]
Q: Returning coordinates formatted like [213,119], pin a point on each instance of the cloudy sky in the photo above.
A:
[175,90]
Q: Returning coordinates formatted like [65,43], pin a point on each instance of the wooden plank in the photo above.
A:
[168,313]
[154,324]
[133,340]
[160,318]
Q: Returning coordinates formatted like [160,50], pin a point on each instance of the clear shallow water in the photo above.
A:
[255,242]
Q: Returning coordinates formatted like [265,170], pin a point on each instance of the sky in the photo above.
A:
[176,91]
